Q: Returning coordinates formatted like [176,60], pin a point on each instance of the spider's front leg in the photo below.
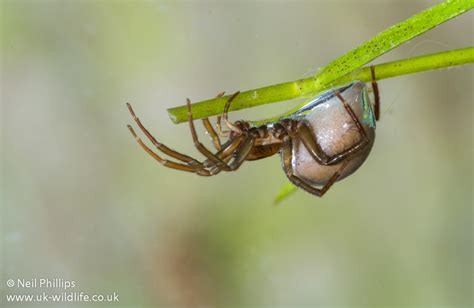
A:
[191,164]
[194,168]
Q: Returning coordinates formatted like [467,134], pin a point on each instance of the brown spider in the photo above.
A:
[323,142]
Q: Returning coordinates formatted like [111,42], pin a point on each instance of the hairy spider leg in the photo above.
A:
[375,89]
[240,154]
[226,153]
[286,156]
[201,148]
[311,144]
[226,111]
[219,127]
[168,163]
[219,118]
[240,146]
[243,152]
[239,149]
[216,141]
[163,148]
[210,130]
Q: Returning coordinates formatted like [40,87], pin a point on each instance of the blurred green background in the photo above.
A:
[81,201]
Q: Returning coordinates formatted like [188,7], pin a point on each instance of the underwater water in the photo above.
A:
[82,202]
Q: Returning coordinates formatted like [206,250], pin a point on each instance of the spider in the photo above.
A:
[323,142]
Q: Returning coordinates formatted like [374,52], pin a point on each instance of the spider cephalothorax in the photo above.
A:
[322,142]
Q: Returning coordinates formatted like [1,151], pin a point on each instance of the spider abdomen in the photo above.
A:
[335,131]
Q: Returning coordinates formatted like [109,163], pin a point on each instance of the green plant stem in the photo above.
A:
[413,65]
[401,67]
[307,87]
[368,51]
[393,37]
[246,99]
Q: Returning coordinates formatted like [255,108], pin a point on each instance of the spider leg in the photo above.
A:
[242,152]
[226,154]
[375,88]
[204,151]
[364,140]
[226,111]
[239,149]
[227,150]
[214,136]
[317,152]
[163,148]
[311,144]
[245,144]
[352,114]
[219,127]
[210,130]
[286,156]
[315,149]
[226,120]
[168,163]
